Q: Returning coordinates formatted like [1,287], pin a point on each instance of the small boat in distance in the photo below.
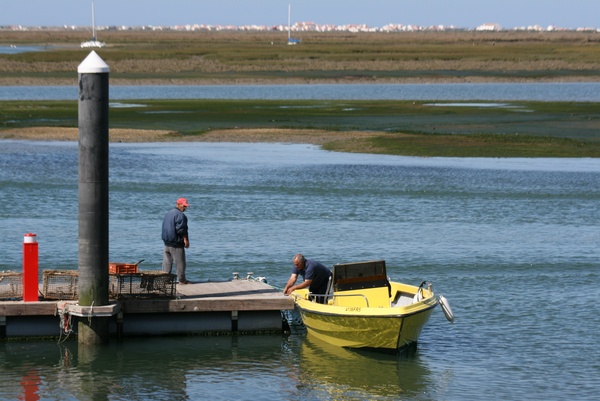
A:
[94,42]
[364,309]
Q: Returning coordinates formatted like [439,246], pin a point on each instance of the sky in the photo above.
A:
[374,13]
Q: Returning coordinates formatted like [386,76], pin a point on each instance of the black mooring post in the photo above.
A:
[93,196]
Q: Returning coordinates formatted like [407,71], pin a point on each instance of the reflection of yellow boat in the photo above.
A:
[325,369]
[364,309]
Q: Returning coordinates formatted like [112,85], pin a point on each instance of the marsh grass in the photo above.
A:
[579,121]
[479,145]
[548,129]
[203,56]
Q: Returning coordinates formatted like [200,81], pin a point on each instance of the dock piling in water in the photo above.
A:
[93,195]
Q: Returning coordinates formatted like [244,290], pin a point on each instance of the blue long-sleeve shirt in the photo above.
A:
[174,228]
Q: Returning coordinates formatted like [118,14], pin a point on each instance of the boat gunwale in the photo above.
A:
[369,315]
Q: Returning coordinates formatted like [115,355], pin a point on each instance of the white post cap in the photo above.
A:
[93,64]
[29,238]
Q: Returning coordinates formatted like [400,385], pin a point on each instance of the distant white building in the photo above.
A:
[489,27]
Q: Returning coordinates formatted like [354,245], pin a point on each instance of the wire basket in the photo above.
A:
[60,284]
[11,285]
[150,283]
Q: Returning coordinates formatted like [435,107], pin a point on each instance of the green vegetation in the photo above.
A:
[217,57]
[479,145]
[515,129]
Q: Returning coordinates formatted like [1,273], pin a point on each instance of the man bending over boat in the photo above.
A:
[315,274]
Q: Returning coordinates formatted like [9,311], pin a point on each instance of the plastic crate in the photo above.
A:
[11,285]
[60,284]
[122,268]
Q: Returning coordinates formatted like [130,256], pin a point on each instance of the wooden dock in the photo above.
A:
[246,306]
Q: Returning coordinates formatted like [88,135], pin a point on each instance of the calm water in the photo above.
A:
[566,92]
[512,243]
[14,49]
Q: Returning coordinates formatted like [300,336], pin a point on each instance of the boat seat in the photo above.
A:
[402,299]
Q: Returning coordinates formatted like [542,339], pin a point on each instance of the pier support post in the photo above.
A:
[93,195]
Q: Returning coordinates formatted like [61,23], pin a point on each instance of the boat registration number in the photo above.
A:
[353,309]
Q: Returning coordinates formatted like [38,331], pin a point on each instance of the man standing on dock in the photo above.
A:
[175,237]
[315,274]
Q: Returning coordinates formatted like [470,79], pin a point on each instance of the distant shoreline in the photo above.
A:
[30,81]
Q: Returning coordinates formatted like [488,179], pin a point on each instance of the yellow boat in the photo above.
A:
[364,309]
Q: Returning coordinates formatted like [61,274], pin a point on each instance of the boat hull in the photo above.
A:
[391,329]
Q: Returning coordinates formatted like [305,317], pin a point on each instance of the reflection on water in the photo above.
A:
[253,367]
[149,369]
[338,373]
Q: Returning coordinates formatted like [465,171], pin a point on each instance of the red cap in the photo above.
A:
[183,201]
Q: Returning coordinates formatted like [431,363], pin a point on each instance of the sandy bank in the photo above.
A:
[317,137]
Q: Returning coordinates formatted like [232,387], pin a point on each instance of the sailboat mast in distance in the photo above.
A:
[291,41]
[93,22]
[93,42]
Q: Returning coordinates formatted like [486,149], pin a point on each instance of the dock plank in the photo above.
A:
[20,308]
[209,296]
[235,295]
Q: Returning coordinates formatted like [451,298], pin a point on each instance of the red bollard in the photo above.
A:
[31,279]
